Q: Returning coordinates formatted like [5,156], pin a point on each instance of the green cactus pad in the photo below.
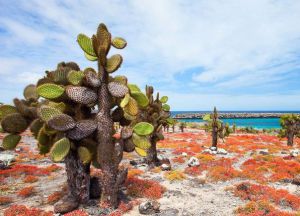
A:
[30,92]
[59,106]
[50,91]
[120,79]
[84,154]
[113,63]
[36,126]
[44,149]
[14,123]
[132,107]
[42,137]
[166,107]
[206,117]
[129,117]
[140,152]
[62,122]
[86,44]
[6,110]
[81,94]
[60,149]
[92,78]
[117,89]
[143,128]
[83,129]
[125,101]
[141,141]
[11,141]
[47,112]
[164,99]
[119,43]
[133,88]
[141,98]
[90,58]
[60,76]
[75,77]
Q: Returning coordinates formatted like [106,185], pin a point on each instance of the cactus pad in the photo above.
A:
[73,66]
[126,132]
[166,107]
[60,149]
[50,91]
[11,141]
[132,107]
[14,123]
[119,43]
[30,92]
[82,95]
[104,37]
[143,128]
[83,128]
[164,99]
[141,99]
[86,44]
[59,106]
[90,58]
[60,76]
[120,79]
[141,141]
[43,138]
[129,117]
[91,77]
[113,63]
[6,110]
[84,154]
[133,88]
[117,89]
[128,146]
[125,100]
[140,152]
[75,77]
[47,112]
[62,122]
[36,126]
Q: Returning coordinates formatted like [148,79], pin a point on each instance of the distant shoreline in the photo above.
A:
[231,115]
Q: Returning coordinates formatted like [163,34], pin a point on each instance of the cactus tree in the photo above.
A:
[157,113]
[290,124]
[217,128]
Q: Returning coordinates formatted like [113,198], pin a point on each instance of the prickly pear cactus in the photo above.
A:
[216,127]
[290,124]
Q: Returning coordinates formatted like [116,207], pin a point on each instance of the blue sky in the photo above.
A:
[236,55]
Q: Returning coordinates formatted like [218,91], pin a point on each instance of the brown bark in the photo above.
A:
[214,136]
[151,158]
[78,177]
[290,138]
[109,155]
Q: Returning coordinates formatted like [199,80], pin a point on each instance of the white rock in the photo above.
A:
[165,167]
[295,152]
[213,148]
[184,154]
[222,151]
[264,151]
[7,158]
[193,161]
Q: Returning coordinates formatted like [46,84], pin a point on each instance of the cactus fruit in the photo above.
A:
[92,78]
[117,89]
[14,123]
[61,122]
[30,92]
[83,128]
[86,44]
[47,112]
[81,94]
[75,77]
[10,141]
[50,91]
[84,154]
[113,63]
[141,142]
[119,43]
[60,149]
[6,110]
[143,128]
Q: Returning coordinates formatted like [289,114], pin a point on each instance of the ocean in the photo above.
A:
[258,123]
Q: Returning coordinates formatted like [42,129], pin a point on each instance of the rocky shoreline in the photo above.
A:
[230,115]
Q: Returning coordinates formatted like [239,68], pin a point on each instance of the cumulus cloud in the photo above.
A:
[236,45]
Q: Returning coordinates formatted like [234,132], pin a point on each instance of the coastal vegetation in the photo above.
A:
[290,124]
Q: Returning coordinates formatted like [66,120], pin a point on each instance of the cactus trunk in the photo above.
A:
[290,138]
[151,158]
[78,175]
[214,136]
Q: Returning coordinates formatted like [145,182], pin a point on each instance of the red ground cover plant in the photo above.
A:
[134,172]
[30,179]
[21,210]
[253,192]
[20,169]
[144,188]
[179,160]
[26,192]
[78,212]
[193,171]
[5,200]
[54,197]
[260,208]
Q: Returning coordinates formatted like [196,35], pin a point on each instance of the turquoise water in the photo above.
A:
[258,123]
